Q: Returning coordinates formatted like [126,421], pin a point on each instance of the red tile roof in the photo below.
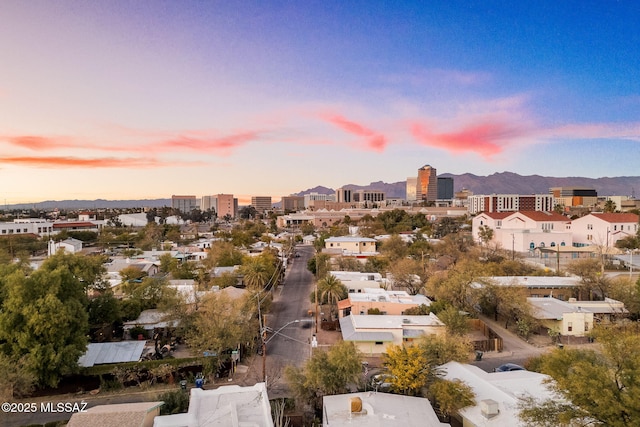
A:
[545,216]
[496,215]
[617,217]
[73,224]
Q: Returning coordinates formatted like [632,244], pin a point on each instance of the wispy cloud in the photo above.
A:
[77,162]
[40,143]
[628,131]
[486,139]
[374,140]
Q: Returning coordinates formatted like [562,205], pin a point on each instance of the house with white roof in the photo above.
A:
[387,302]
[70,245]
[559,287]
[497,394]
[351,246]
[604,229]
[575,318]
[379,410]
[373,334]
[356,281]
[230,405]
[140,414]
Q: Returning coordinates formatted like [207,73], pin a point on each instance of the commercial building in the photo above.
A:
[427,188]
[574,196]
[412,188]
[445,188]
[184,204]
[262,204]
[221,204]
[292,203]
[510,203]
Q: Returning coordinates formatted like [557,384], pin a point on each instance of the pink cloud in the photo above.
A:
[59,162]
[223,145]
[374,141]
[40,143]
[487,139]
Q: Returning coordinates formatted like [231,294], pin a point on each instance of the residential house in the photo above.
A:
[497,394]
[558,287]
[230,405]
[357,282]
[604,229]
[575,318]
[379,410]
[373,334]
[386,302]
[351,246]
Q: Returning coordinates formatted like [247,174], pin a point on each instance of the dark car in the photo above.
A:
[509,367]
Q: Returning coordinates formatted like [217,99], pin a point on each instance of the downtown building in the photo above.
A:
[262,204]
[221,204]
[510,203]
[184,204]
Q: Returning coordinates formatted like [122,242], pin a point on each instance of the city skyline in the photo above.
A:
[133,100]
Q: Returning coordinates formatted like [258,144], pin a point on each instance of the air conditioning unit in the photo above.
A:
[489,408]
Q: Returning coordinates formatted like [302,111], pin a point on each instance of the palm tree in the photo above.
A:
[333,289]
[256,274]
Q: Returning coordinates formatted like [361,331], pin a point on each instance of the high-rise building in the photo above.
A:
[368,196]
[445,188]
[184,204]
[221,204]
[412,187]
[427,188]
[343,195]
[262,204]
[292,203]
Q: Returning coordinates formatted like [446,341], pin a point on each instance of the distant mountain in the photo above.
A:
[93,204]
[512,183]
[508,183]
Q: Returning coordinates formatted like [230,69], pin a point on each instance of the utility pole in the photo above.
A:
[316,292]
[264,352]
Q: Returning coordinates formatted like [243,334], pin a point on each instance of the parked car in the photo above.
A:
[509,367]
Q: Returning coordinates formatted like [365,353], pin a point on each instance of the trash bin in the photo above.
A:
[479,356]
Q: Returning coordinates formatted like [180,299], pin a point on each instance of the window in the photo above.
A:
[586,327]
[379,342]
[570,326]
[589,226]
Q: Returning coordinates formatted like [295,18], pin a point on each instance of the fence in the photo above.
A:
[492,341]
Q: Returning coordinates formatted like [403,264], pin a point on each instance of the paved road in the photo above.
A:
[291,345]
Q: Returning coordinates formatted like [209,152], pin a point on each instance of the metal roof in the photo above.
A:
[111,352]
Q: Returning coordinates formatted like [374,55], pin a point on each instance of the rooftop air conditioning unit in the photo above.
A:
[489,408]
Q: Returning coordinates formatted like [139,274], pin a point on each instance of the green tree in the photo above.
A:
[601,387]
[452,396]
[104,309]
[325,373]
[221,324]
[456,322]
[223,254]
[609,206]
[440,349]
[258,271]
[406,274]
[43,318]
[394,248]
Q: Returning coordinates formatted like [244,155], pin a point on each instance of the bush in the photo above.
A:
[175,402]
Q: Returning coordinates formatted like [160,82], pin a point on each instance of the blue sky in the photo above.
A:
[138,99]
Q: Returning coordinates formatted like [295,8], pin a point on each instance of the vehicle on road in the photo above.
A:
[509,367]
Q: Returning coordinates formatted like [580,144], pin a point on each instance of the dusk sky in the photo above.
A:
[145,99]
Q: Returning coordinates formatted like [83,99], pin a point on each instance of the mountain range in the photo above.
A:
[499,183]
[507,183]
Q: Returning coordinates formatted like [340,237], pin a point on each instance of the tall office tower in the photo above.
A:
[412,186]
[261,203]
[224,204]
[427,189]
[184,204]
[445,188]
[343,195]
